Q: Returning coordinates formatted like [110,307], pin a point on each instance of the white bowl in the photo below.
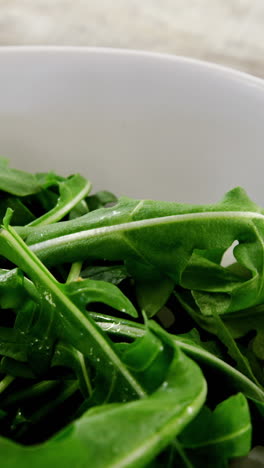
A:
[137,123]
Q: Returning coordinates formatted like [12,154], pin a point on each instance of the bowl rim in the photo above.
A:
[219,69]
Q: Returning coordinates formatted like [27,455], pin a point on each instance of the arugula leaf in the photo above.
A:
[22,214]
[66,355]
[34,391]
[242,322]
[74,372]
[160,238]
[220,326]
[79,210]
[195,350]
[68,322]
[72,191]
[205,275]
[233,349]
[148,357]
[16,368]
[139,429]
[85,291]
[219,435]
[112,274]
[100,199]
[13,344]
[17,182]
[12,292]
[193,336]
[153,295]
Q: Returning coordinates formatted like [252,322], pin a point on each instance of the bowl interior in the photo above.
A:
[143,125]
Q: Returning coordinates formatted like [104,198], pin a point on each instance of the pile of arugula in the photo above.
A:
[124,341]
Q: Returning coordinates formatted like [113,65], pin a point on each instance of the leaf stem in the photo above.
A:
[61,209]
[7,380]
[85,373]
[177,446]
[74,272]
[225,336]
[35,390]
[31,289]
[35,418]
[68,391]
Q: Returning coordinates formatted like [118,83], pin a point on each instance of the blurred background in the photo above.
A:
[228,32]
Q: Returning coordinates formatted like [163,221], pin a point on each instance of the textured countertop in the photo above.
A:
[229,32]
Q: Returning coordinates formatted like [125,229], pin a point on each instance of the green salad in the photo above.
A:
[124,340]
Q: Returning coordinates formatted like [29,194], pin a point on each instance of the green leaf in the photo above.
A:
[193,336]
[34,428]
[112,274]
[17,182]
[12,291]
[79,210]
[153,295]
[66,355]
[31,392]
[159,238]
[100,199]
[222,434]
[62,318]
[186,300]
[13,344]
[233,349]
[85,291]
[72,191]
[142,352]
[21,216]
[15,368]
[242,322]
[8,216]
[139,429]
[196,351]
[155,247]
[148,357]
[205,275]
[219,325]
